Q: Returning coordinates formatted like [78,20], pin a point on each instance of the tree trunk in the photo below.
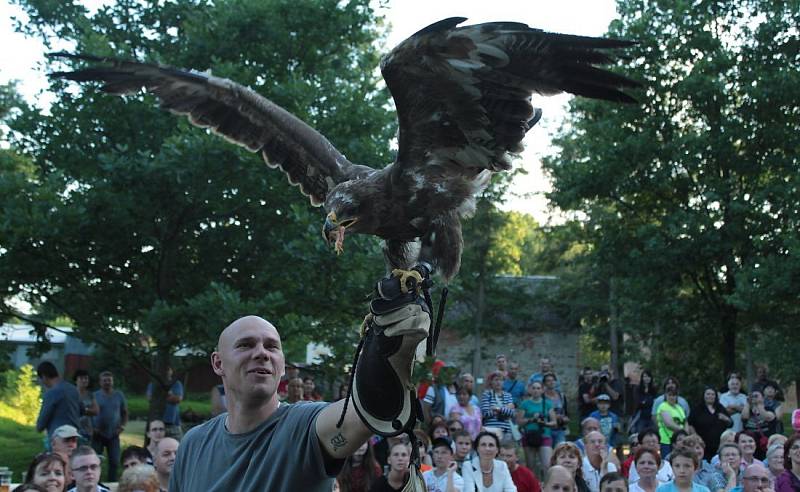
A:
[728,325]
[159,388]
[476,334]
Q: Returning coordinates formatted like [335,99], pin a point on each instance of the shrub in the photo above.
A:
[22,396]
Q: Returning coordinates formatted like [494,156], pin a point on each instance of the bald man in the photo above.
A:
[559,479]
[755,478]
[261,444]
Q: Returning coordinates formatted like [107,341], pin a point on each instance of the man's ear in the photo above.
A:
[216,364]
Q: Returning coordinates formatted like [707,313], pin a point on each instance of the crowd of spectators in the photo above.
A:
[499,437]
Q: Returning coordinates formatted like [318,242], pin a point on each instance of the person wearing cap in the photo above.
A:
[609,421]
[443,477]
[63,442]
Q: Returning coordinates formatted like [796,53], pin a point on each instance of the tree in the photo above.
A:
[151,234]
[690,196]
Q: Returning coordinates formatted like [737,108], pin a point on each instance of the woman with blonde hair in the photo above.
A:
[568,455]
[139,478]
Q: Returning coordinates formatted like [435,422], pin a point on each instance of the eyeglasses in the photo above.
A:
[794,447]
[85,468]
[762,480]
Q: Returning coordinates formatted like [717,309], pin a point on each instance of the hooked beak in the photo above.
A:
[333,231]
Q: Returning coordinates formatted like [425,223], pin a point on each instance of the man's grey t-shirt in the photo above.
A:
[281,454]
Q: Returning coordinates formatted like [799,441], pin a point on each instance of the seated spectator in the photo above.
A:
[64,441]
[310,390]
[559,479]
[609,421]
[649,439]
[524,479]
[589,424]
[684,464]
[727,469]
[648,463]
[789,480]
[29,487]
[706,473]
[295,391]
[759,421]
[453,426]
[424,449]
[727,437]
[613,482]
[486,473]
[47,471]
[466,412]
[774,461]
[398,460]
[155,431]
[439,430]
[134,456]
[443,477]
[164,460]
[746,441]
[463,451]
[755,479]
[139,478]
[568,456]
[634,444]
[596,462]
[85,465]
[360,470]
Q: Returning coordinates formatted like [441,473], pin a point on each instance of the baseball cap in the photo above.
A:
[65,432]
[603,397]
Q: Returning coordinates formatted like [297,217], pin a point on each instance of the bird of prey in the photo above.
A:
[463,99]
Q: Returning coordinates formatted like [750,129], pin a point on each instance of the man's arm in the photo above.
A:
[341,442]
[177,396]
[46,413]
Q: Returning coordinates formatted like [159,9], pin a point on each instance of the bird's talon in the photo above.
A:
[404,275]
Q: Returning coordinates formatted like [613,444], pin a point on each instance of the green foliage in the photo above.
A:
[151,235]
[690,197]
[21,395]
[18,445]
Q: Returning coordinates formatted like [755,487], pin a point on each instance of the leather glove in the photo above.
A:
[382,391]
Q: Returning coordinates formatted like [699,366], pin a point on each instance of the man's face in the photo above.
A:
[650,441]
[165,455]
[463,446]
[561,480]
[545,366]
[734,385]
[86,470]
[756,479]
[292,372]
[595,444]
[510,457]
[683,468]
[107,382]
[614,486]
[250,358]
[603,406]
[513,370]
[64,446]
[442,457]
[761,372]
[501,362]
[308,386]
[131,462]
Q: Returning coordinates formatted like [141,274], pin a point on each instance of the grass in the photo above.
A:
[198,403]
[18,445]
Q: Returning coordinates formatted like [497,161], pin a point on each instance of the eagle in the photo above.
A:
[463,100]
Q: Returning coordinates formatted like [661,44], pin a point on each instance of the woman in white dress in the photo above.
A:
[484,472]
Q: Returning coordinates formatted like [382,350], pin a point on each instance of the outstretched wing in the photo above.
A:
[237,113]
[463,95]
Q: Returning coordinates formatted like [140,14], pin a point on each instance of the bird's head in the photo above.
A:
[345,214]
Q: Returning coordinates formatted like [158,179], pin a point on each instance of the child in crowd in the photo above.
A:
[609,421]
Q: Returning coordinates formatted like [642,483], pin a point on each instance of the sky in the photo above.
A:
[22,59]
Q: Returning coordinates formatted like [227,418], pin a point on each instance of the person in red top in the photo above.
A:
[521,475]
[292,371]
[626,465]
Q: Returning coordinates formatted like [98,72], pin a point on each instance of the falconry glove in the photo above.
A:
[399,319]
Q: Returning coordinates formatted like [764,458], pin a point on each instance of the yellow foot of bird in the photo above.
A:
[404,276]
